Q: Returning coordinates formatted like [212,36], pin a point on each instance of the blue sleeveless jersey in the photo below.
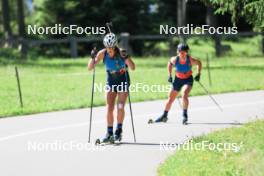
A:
[183,68]
[113,64]
[183,71]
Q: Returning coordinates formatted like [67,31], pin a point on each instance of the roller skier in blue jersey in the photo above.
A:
[183,81]
[116,61]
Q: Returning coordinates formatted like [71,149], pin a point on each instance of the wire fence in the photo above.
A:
[31,89]
[72,47]
[36,92]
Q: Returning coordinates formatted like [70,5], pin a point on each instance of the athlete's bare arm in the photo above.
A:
[170,64]
[198,63]
[130,63]
[97,59]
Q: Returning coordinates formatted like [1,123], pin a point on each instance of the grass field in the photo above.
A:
[65,84]
[50,84]
[247,161]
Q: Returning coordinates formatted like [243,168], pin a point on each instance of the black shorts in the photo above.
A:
[117,82]
[179,83]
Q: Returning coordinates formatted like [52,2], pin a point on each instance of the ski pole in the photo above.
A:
[108,26]
[130,107]
[208,93]
[91,106]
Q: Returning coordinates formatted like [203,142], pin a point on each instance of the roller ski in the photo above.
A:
[109,139]
[163,118]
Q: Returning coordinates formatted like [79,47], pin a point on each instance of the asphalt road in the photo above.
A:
[55,144]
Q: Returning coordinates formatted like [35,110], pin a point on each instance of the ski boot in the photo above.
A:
[185,119]
[118,134]
[160,119]
[108,139]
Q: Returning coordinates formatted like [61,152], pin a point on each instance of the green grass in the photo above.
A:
[248,161]
[50,84]
[239,47]
[57,84]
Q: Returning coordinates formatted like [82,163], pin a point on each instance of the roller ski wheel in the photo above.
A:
[150,121]
[97,142]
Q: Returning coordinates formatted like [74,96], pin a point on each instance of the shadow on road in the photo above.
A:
[143,143]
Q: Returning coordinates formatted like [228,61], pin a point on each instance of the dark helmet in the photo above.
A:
[183,47]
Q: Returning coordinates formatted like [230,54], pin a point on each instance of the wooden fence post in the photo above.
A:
[19,87]
[124,40]
[208,69]
[73,45]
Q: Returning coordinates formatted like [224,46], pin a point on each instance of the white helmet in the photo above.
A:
[110,40]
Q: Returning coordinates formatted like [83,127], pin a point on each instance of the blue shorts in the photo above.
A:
[179,83]
[117,82]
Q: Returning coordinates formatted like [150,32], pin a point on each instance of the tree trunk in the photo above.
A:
[181,16]
[211,20]
[6,23]
[21,27]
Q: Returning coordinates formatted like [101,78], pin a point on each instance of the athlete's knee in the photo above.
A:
[110,107]
[120,105]
[185,94]
[185,97]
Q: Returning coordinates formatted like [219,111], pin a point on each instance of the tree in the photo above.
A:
[211,20]
[251,10]
[181,15]
[6,23]
[20,18]
[127,16]
[21,27]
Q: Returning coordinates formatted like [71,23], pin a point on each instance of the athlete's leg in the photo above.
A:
[186,89]
[110,105]
[172,95]
[164,117]
[176,87]
[121,101]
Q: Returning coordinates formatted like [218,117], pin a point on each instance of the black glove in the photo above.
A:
[197,77]
[94,53]
[170,79]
